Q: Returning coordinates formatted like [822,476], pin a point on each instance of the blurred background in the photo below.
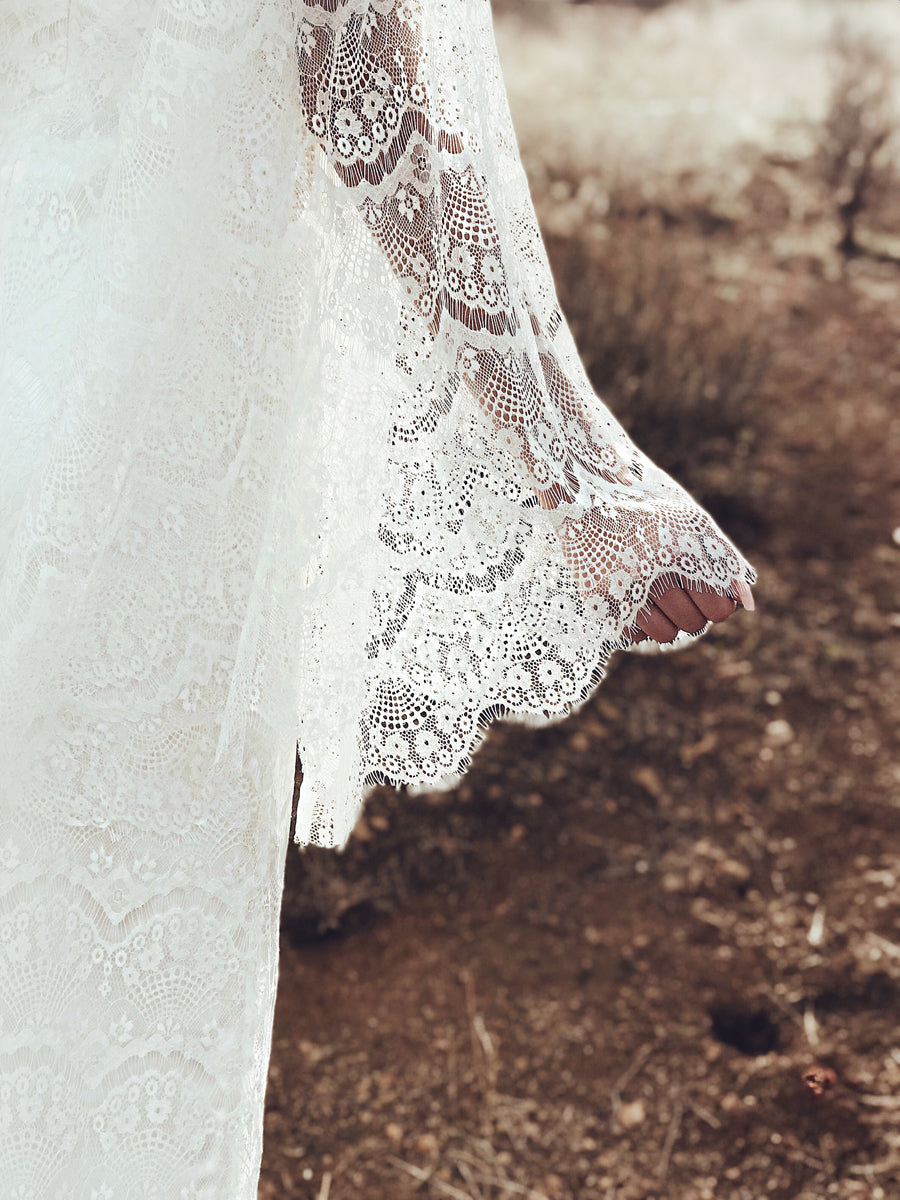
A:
[654,951]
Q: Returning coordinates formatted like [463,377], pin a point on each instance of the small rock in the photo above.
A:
[696,879]
[393,1132]
[734,871]
[819,1079]
[712,1051]
[515,835]
[649,780]
[779,732]
[632,1114]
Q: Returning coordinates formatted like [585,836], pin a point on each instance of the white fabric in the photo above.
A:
[295,448]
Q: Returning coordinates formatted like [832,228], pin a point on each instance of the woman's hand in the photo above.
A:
[685,606]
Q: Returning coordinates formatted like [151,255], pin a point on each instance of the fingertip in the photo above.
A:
[745,595]
[715,606]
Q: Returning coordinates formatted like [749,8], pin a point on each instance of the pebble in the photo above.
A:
[779,732]
[649,780]
[632,1114]
[361,831]
[736,872]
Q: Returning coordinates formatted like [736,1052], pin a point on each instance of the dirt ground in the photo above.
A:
[653,952]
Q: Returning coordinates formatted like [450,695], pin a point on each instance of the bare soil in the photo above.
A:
[652,952]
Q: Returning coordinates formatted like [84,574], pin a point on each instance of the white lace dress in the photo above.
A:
[295,448]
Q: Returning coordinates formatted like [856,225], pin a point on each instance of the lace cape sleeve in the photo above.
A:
[433,168]
[405,101]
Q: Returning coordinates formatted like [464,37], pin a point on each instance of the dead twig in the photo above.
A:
[871,1170]
[705,1115]
[509,1185]
[615,1094]
[461,1163]
[665,1158]
[420,1174]
[484,1051]
[891,949]
[423,1176]
[447,1189]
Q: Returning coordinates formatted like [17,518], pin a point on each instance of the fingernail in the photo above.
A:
[746,596]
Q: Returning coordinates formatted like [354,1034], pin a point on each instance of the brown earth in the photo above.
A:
[652,951]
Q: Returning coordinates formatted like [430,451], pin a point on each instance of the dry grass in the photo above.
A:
[854,151]
[681,369]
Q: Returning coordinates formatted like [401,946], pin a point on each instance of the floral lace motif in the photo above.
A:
[295,449]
